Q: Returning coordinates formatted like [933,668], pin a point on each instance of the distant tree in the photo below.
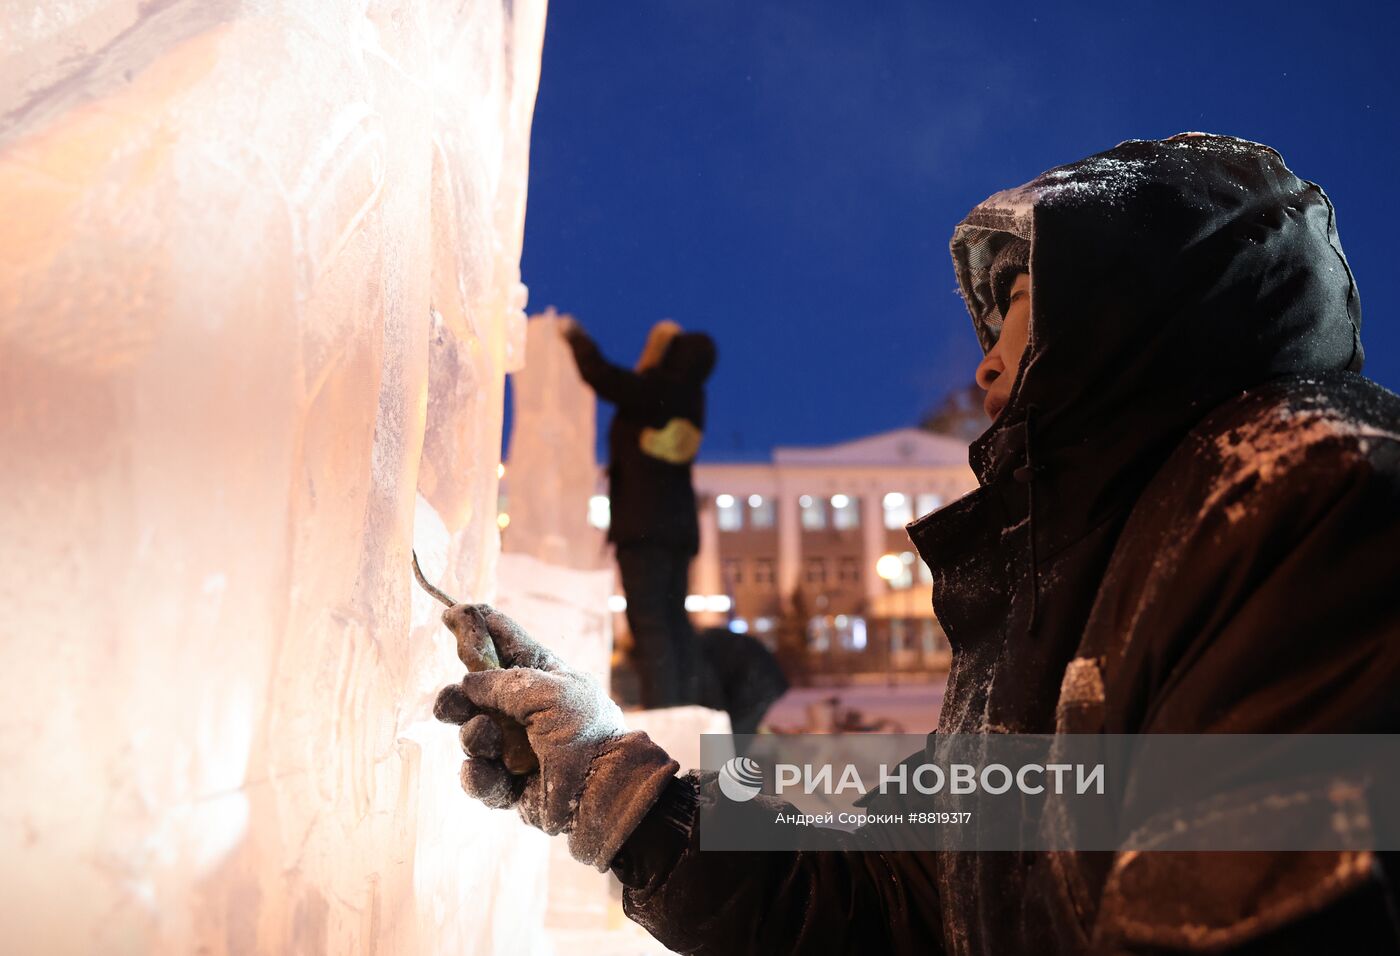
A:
[958,415]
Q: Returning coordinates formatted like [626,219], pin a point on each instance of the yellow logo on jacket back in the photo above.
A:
[678,443]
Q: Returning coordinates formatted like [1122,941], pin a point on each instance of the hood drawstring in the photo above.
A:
[1026,475]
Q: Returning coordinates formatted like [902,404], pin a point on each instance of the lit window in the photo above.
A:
[813,512]
[898,510]
[848,571]
[927,502]
[599,512]
[816,571]
[761,512]
[729,513]
[845,512]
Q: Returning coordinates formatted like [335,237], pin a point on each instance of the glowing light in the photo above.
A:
[739,626]
[805,501]
[889,567]
[755,501]
[718,603]
[858,634]
[694,602]
[840,501]
[617,603]
[501,470]
[894,500]
[599,512]
[503,521]
[725,501]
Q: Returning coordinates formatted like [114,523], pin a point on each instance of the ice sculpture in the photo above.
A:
[553,465]
[258,289]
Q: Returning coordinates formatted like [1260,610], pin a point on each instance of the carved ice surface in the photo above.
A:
[259,287]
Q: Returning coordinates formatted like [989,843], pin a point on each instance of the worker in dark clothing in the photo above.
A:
[1187,523]
[652,444]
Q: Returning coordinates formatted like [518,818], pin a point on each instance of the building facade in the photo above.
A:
[816,536]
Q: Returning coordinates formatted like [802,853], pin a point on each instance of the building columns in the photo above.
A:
[789,546]
[872,524]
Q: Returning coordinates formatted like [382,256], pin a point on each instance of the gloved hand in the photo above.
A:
[595,781]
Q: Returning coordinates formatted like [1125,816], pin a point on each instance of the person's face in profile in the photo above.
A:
[997,371]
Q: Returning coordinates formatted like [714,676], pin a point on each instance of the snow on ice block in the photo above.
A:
[563,609]
[678,730]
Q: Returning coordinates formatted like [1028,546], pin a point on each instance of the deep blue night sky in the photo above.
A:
[786,175]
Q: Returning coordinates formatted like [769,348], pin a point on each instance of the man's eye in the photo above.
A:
[1018,295]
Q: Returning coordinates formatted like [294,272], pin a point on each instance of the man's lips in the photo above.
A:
[993,405]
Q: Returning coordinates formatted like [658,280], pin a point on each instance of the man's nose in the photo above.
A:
[989,370]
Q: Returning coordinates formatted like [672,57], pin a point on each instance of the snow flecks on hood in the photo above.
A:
[1259,453]
[1104,181]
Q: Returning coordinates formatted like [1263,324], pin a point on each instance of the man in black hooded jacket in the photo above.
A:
[652,444]
[1187,522]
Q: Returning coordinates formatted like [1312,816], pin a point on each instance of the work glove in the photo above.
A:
[595,780]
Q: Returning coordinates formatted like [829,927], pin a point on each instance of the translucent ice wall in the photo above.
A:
[258,291]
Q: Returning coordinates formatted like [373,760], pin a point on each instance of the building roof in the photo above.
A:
[903,446]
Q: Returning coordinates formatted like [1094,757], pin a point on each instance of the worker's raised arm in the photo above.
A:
[612,383]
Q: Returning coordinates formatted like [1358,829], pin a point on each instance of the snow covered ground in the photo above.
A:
[914,707]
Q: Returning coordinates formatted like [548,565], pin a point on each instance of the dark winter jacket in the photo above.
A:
[1188,520]
[653,440]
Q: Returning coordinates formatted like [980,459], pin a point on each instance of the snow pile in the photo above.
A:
[258,288]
